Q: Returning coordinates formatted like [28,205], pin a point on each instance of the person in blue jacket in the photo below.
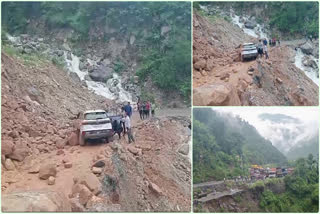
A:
[128,109]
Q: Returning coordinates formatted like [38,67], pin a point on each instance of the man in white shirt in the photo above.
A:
[127,123]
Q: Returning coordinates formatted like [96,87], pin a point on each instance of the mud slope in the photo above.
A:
[220,78]
[38,140]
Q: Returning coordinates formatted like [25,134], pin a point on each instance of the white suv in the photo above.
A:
[94,124]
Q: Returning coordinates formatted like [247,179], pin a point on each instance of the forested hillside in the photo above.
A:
[158,35]
[310,146]
[290,18]
[224,146]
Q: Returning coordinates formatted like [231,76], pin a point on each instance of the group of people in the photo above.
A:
[145,109]
[123,125]
[263,46]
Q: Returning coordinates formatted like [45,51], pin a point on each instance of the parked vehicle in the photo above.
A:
[94,124]
[248,51]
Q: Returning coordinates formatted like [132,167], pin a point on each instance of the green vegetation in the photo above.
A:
[31,59]
[162,31]
[119,66]
[225,146]
[290,18]
[302,190]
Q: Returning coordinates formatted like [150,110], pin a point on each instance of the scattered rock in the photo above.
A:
[9,165]
[7,147]
[73,139]
[51,180]
[155,188]
[279,80]
[184,149]
[99,163]
[68,165]
[84,195]
[47,170]
[91,181]
[35,201]
[19,153]
[60,152]
[97,170]
[76,206]
[201,64]
[134,150]
[34,169]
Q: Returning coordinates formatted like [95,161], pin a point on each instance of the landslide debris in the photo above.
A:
[220,78]
[41,157]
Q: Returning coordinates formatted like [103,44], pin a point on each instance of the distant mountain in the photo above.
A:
[304,148]
[279,118]
[225,146]
[286,132]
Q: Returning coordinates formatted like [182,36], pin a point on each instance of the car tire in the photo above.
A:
[82,141]
[107,140]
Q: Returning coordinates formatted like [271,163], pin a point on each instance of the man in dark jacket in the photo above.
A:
[128,109]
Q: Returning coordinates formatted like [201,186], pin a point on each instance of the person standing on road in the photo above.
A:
[265,49]
[128,109]
[139,104]
[260,49]
[265,42]
[148,109]
[127,122]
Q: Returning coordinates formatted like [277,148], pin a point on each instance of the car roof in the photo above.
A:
[94,111]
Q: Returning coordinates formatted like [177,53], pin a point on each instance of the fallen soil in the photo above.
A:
[41,158]
[220,78]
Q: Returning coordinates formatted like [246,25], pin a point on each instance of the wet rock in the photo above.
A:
[35,201]
[9,165]
[250,24]
[101,74]
[47,170]
[307,48]
[51,180]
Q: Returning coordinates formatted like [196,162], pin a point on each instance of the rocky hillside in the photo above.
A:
[114,54]
[220,78]
[41,157]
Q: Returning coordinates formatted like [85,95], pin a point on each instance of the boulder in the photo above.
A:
[51,180]
[99,163]
[101,74]
[7,147]
[201,64]
[76,206]
[73,139]
[307,48]
[134,150]
[211,95]
[184,149]
[34,169]
[35,201]
[8,164]
[90,181]
[97,170]
[47,170]
[155,188]
[74,76]
[250,24]
[68,165]
[84,195]
[19,153]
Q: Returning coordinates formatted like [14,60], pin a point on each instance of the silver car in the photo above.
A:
[248,51]
[94,124]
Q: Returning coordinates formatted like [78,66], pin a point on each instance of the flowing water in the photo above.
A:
[112,89]
[310,72]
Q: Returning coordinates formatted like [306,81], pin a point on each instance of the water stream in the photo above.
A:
[112,89]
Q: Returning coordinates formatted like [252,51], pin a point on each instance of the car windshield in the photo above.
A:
[249,47]
[95,116]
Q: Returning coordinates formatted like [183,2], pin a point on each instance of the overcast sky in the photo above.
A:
[309,116]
